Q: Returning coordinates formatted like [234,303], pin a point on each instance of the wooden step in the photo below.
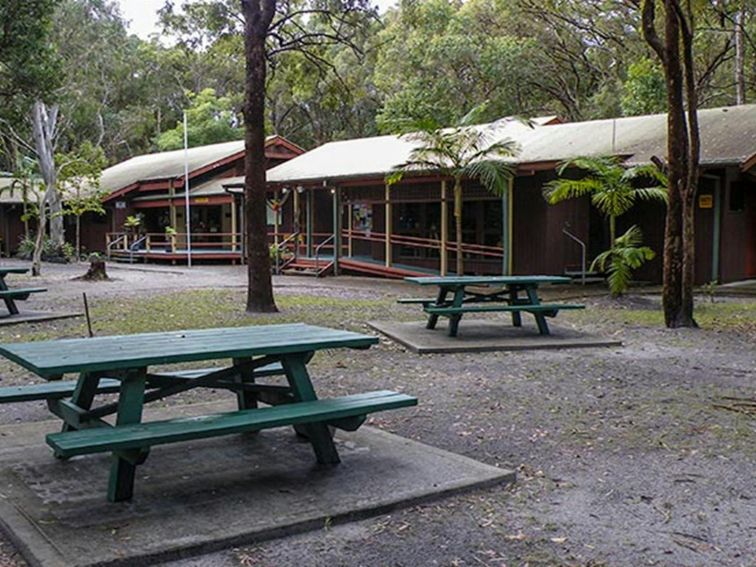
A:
[144,435]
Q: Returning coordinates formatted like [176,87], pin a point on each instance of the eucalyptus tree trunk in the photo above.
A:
[460,268]
[675,51]
[258,15]
[44,121]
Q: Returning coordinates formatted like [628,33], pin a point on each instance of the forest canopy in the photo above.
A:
[579,59]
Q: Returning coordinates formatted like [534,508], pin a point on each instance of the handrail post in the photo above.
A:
[582,253]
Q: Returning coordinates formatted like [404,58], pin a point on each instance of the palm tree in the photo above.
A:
[626,255]
[461,152]
[609,185]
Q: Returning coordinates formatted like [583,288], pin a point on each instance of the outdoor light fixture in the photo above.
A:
[333,191]
[285,190]
[300,189]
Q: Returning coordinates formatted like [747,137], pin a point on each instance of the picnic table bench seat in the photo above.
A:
[549,310]
[20,293]
[60,389]
[346,412]
[415,301]
[51,391]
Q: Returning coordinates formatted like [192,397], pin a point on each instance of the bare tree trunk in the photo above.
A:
[39,239]
[44,121]
[258,15]
[740,83]
[458,225]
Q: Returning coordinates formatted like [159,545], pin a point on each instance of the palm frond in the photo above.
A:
[597,165]
[652,194]
[648,171]
[560,190]
[494,175]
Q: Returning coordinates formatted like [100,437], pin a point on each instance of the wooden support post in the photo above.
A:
[308,222]
[505,231]
[336,229]
[234,226]
[389,227]
[350,216]
[444,230]
[295,222]
[510,225]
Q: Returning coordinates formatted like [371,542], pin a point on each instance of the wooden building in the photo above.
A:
[151,187]
[345,218]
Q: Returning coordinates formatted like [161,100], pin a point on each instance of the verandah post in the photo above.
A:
[336,229]
[350,214]
[505,229]
[308,221]
[444,230]
[233,223]
[389,226]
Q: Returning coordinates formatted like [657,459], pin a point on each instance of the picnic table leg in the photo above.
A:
[543,326]
[130,403]
[10,303]
[318,434]
[459,296]
[83,396]
[440,300]
[513,299]
[246,400]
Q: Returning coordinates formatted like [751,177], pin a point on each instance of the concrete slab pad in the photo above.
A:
[35,317]
[486,336]
[207,495]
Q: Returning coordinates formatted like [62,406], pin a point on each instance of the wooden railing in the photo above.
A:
[174,243]
[468,249]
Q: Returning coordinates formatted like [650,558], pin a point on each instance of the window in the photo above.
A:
[737,197]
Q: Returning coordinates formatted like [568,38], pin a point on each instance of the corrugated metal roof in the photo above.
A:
[166,165]
[728,137]
[7,197]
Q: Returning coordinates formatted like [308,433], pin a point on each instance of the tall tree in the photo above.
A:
[675,51]
[272,27]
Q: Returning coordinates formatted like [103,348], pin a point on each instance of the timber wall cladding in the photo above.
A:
[735,242]
[539,245]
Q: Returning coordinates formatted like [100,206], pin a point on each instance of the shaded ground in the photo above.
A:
[642,455]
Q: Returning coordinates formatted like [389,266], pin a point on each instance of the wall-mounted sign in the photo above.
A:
[201,200]
[706,201]
[120,204]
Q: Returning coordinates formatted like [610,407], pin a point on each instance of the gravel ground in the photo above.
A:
[640,455]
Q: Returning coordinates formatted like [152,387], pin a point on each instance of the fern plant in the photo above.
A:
[622,258]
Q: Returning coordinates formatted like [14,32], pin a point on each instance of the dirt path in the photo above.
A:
[629,456]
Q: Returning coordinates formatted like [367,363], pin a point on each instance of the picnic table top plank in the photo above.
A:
[485,280]
[5,270]
[50,359]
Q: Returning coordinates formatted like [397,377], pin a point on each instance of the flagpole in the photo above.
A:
[187,215]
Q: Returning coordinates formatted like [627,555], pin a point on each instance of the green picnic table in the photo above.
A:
[10,296]
[124,365]
[458,295]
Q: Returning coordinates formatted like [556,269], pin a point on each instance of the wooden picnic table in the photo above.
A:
[458,295]
[10,296]
[124,365]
